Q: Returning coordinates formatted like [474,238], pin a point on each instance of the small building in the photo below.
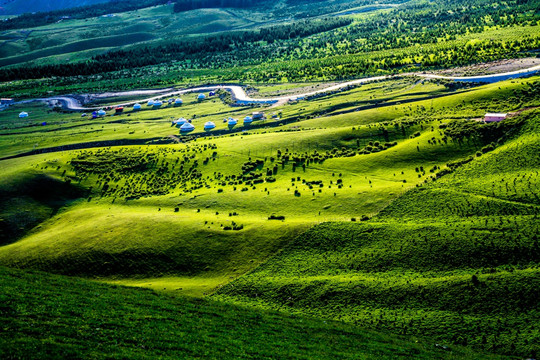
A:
[119,110]
[23,114]
[201,97]
[187,127]
[209,126]
[137,107]
[7,101]
[259,115]
[495,117]
[179,122]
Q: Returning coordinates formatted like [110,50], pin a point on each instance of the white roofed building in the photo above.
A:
[495,117]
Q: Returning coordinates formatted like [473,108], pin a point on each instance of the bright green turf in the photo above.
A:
[46,316]
[456,258]
[124,228]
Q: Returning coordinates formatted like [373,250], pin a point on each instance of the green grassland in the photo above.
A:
[48,316]
[232,216]
[456,258]
[68,37]
[82,55]
[386,206]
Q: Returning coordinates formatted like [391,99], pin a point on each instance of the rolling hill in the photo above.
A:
[46,316]
[15,7]
[380,218]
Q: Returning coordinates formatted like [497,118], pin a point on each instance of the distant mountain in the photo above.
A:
[15,7]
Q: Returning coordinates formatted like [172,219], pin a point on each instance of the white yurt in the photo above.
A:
[157,103]
[180,121]
[178,101]
[102,112]
[137,106]
[23,114]
[201,97]
[232,122]
[248,120]
[150,103]
[187,127]
[209,125]
[84,115]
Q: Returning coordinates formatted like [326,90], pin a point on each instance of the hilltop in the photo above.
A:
[15,7]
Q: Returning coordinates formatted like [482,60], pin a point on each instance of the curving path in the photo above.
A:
[240,96]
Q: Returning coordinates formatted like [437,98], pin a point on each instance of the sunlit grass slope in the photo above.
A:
[456,259]
[191,217]
[50,316]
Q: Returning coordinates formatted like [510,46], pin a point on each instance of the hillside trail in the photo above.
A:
[70,102]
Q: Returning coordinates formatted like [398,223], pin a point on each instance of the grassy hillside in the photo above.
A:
[14,7]
[46,316]
[456,258]
[449,255]
[272,42]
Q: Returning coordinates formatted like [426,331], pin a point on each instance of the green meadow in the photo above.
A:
[386,206]
[49,316]
[385,220]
